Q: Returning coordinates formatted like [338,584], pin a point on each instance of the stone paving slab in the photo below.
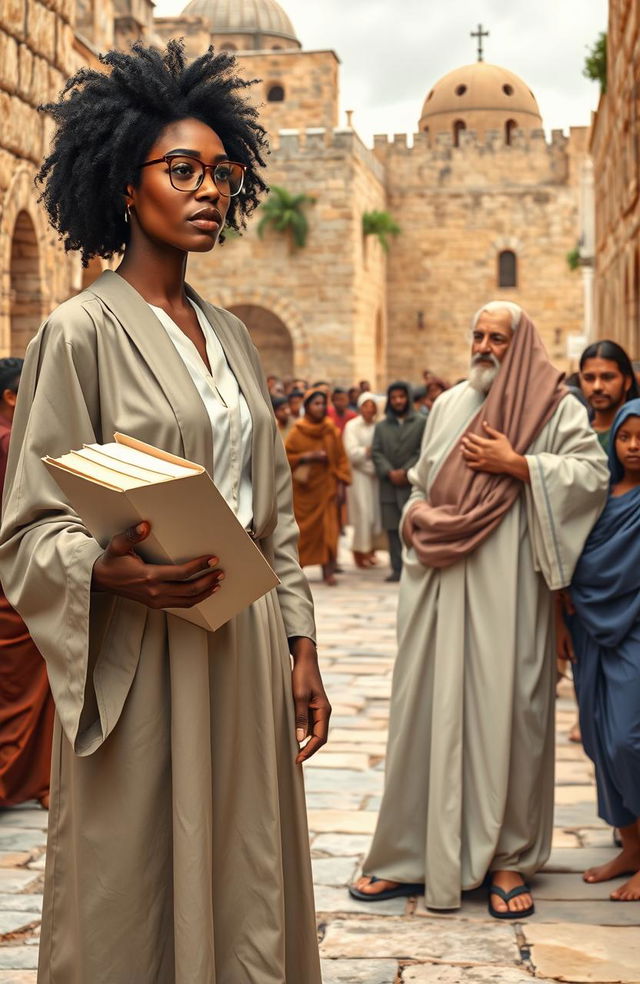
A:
[358,971]
[454,942]
[568,859]
[18,958]
[586,954]
[18,977]
[438,974]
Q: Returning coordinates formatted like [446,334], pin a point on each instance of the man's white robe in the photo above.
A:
[470,761]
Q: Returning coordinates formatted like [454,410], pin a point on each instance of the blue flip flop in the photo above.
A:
[399,891]
[506,898]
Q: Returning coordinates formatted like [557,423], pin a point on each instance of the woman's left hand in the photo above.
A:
[312,708]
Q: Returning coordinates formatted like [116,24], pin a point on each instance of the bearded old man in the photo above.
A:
[510,481]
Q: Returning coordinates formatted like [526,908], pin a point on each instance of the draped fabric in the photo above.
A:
[469,767]
[314,500]
[178,849]
[464,506]
[363,495]
[605,628]
[26,704]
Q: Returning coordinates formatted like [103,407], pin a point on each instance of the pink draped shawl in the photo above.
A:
[464,506]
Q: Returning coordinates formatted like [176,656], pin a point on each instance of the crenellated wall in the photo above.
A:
[459,208]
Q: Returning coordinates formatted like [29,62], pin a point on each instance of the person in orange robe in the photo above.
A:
[320,470]
[26,704]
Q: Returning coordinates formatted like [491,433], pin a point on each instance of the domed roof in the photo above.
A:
[243,17]
[483,87]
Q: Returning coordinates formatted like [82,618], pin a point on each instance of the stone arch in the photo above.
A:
[20,213]
[283,310]
[458,127]
[25,297]
[510,129]
[270,336]
[275,92]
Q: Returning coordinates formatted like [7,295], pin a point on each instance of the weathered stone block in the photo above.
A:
[12,17]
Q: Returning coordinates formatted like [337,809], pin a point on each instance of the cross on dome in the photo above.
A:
[480,34]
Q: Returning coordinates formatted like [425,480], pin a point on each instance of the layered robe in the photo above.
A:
[470,761]
[178,849]
[315,498]
[363,495]
[605,627]
[26,704]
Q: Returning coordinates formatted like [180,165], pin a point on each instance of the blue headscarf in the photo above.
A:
[630,409]
[606,584]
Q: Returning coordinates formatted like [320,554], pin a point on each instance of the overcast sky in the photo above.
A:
[393,51]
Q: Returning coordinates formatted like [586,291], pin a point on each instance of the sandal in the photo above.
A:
[506,898]
[399,891]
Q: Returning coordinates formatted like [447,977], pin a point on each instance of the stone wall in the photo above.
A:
[329,295]
[459,208]
[616,152]
[36,56]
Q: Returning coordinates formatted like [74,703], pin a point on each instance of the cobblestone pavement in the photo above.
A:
[576,935]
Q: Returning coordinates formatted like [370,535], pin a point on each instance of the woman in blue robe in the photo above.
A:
[605,630]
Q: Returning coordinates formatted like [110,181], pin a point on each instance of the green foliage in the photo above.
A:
[573,258]
[285,212]
[381,225]
[595,64]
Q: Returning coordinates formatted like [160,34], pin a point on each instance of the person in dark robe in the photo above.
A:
[605,632]
[396,449]
[26,704]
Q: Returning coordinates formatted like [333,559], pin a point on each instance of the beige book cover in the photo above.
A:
[115,486]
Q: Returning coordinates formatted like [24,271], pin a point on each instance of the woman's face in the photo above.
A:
[368,410]
[628,446]
[317,407]
[189,221]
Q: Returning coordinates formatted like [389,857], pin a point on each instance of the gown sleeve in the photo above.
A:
[46,554]
[568,491]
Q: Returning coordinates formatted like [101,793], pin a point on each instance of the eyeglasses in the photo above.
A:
[187,173]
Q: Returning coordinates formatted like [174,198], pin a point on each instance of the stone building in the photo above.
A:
[486,205]
[615,145]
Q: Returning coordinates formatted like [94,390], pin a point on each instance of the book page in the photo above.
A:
[75,462]
[96,453]
[131,456]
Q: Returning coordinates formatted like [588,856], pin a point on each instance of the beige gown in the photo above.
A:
[470,761]
[363,495]
[178,849]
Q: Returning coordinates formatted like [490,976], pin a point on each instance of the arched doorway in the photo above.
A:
[270,336]
[26,294]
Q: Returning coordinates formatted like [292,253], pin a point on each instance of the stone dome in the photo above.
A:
[482,97]
[238,17]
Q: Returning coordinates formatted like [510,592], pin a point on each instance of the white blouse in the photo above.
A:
[231,423]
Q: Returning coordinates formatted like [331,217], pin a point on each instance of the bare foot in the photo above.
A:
[330,580]
[575,734]
[508,880]
[624,863]
[364,885]
[44,801]
[629,892]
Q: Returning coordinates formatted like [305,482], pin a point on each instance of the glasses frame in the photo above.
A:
[203,170]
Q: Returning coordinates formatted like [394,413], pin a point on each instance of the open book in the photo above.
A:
[115,486]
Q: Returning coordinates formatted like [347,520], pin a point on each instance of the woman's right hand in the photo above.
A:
[121,571]
[319,455]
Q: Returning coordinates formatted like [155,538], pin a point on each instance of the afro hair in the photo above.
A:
[106,123]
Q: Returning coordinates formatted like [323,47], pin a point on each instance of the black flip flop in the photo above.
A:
[506,897]
[399,891]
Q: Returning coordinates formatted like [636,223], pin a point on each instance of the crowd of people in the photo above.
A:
[351,448]
[510,504]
